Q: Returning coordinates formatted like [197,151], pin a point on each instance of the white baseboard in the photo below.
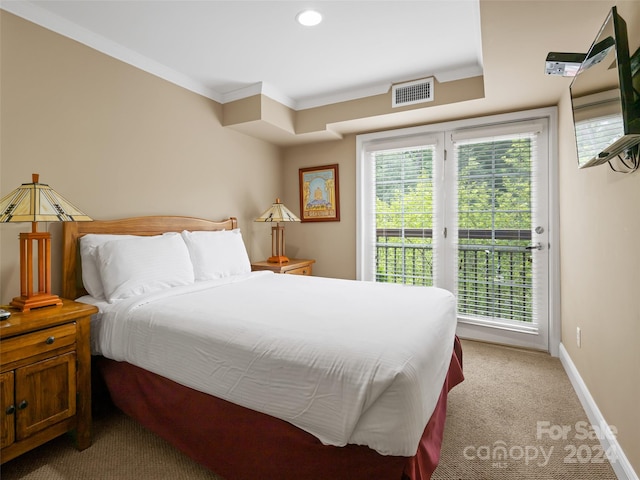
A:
[620,463]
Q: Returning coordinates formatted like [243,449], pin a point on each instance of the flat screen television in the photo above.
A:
[606,107]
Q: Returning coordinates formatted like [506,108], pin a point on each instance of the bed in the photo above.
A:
[260,375]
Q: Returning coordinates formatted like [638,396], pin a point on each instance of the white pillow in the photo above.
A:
[90,273]
[217,254]
[141,265]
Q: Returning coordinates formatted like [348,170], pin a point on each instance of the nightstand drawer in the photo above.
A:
[295,266]
[299,271]
[35,343]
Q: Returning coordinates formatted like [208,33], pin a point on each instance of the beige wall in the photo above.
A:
[332,244]
[119,142]
[600,271]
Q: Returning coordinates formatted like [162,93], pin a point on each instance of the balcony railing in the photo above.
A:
[494,277]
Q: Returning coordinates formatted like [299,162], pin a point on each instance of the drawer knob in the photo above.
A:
[50,340]
[22,405]
[10,410]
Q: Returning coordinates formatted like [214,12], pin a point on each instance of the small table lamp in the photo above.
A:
[277,213]
[36,202]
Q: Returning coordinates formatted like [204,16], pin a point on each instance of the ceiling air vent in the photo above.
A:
[409,93]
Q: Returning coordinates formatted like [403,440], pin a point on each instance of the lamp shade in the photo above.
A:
[277,213]
[38,202]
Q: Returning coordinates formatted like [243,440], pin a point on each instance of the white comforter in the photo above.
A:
[347,361]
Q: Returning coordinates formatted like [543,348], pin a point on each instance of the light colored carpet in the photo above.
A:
[517,401]
[506,393]
[121,450]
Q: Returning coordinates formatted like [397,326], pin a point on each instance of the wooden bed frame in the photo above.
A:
[233,441]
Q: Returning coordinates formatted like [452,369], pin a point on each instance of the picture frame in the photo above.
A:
[319,194]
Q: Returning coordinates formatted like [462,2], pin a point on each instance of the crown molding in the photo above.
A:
[57,24]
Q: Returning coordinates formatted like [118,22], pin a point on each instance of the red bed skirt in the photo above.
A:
[242,444]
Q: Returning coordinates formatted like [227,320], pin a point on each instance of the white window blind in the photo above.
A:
[404,215]
[397,200]
[494,223]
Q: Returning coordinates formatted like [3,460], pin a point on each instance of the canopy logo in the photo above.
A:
[499,453]
[590,451]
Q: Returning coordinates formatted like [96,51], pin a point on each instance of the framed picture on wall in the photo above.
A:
[319,194]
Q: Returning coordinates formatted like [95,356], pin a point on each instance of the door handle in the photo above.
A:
[535,246]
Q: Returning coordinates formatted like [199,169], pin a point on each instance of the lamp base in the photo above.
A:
[24,304]
[278,259]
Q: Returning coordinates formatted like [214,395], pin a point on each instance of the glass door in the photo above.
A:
[500,241]
[465,208]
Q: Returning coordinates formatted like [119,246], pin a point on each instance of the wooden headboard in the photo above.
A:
[155,225]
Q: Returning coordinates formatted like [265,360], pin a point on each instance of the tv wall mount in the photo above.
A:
[563,64]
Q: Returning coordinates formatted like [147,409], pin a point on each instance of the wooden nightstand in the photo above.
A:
[45,377]
[295,266]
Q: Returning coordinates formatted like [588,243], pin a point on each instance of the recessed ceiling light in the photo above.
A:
[309,18]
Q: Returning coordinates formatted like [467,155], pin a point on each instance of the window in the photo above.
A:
[400,199]
[404,215]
